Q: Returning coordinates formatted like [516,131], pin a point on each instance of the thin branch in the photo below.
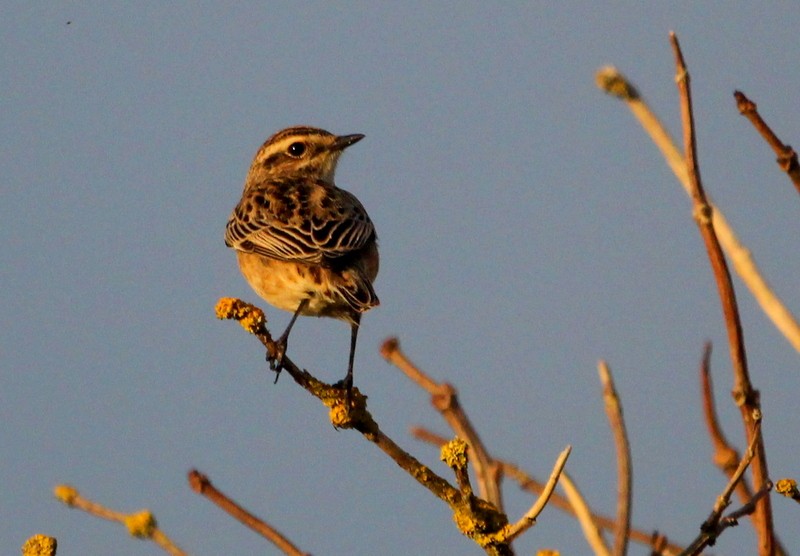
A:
[787,157]
[726,457]
[445,399]
[624,470]
[744,393]
[709,537]
[141,525]
[526,482]
[724,499]
[591,531]
[614,83]
[529,519]
[475,518]
[355,416]
[202,485]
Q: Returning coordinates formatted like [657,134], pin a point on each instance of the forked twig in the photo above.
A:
[657,542]
[475,518]
[715,524]
[726,457]
[744,393]
[724,499]
[708,537]
[445,399]
[614,83]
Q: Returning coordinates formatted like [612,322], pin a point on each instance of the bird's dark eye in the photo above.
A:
[297,149]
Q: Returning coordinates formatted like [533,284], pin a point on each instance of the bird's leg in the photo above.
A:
[276,363]
[348,379]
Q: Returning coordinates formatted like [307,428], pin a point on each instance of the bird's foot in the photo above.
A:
[275,357]
[346,384]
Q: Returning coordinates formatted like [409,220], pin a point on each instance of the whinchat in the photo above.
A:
[303,244]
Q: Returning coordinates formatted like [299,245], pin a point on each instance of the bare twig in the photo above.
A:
[202,485]
[529,519]
[744,394]
[657,542]
[140,524]
[593,533]
[787,157]
[614,83]
[445,399]
[624,471]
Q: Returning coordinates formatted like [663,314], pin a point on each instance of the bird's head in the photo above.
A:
[301,150]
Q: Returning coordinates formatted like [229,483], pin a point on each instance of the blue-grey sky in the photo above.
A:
[528,228]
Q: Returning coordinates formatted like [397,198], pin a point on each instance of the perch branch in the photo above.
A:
[475,518]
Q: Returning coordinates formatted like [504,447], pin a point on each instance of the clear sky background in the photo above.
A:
[528,228]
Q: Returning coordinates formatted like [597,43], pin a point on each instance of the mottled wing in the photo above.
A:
[298,220]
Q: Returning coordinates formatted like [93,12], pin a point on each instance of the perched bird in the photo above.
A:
[303,244]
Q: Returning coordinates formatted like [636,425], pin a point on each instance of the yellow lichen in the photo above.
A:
[40,545]
[339,416]
[224,308]
[787,487]
[66,494]
[465,522]
[249,316]
[141,524]
[454,453]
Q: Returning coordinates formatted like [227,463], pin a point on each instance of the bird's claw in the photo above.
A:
[275,357]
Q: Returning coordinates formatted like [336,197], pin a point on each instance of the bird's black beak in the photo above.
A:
[344,141]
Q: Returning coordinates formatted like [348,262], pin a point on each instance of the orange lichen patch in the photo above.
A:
[39,545]
[141,524]
[249,316]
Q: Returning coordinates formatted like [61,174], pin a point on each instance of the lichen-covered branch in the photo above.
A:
[445,399]
[141,524]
